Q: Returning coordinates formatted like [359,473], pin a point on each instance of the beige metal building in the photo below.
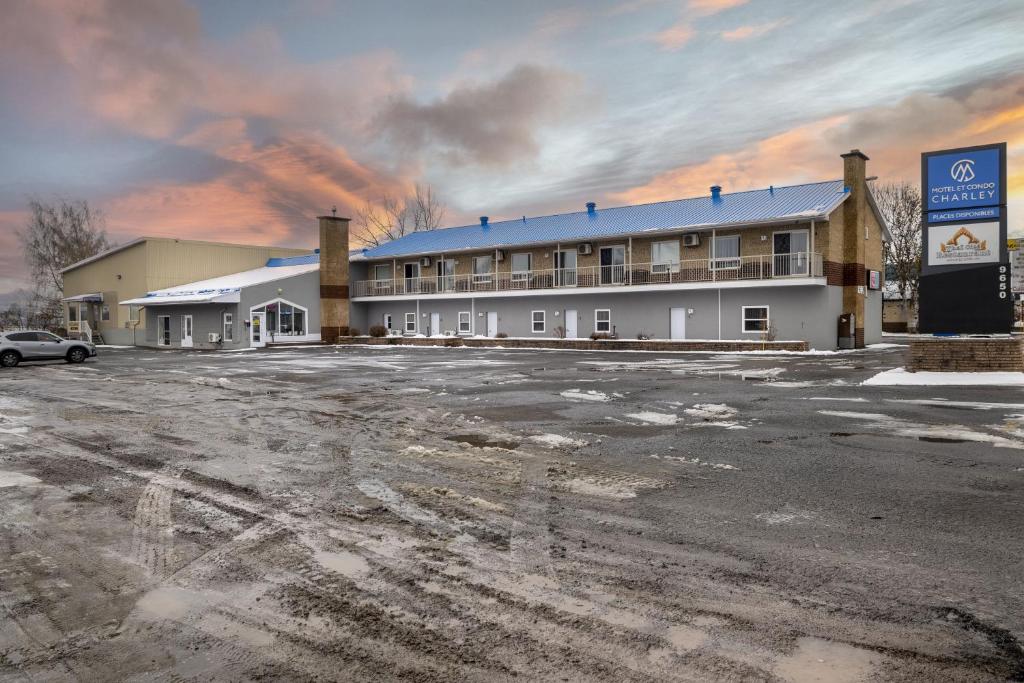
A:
[94,287]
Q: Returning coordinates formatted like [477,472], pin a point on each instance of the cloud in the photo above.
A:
[709,7]
[893,136]
[492,124]
[745,32]
[675,37]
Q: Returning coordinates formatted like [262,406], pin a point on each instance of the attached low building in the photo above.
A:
[790,263]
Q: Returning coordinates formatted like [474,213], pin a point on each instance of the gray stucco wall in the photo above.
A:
[805,312]
[873,315]
[303,290]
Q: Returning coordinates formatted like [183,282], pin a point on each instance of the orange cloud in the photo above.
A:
[674,37]
[709,7]
[745,32]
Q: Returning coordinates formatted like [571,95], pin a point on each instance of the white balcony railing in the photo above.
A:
[767,267]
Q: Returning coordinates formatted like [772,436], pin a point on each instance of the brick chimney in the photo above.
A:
[855,215]
[334,304]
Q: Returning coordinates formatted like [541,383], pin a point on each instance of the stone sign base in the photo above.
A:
[966,354]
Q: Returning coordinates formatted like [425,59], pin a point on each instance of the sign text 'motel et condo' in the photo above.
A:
[965,283]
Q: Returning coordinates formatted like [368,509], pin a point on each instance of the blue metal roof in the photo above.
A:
[303,260]
[777,204]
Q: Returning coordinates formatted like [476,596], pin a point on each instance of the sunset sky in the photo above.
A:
[241,121]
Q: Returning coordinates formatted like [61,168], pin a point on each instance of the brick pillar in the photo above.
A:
[854,219]
[334,305]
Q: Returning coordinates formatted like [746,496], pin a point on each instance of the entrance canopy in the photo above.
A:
[218,297]
[95,297]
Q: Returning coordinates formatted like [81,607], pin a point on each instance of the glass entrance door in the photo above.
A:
[790,253]
[613,265]
[565,264]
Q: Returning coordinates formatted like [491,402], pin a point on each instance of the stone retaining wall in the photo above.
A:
[965,354]
[584,344]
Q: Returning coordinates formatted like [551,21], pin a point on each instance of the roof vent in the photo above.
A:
[483,221]
[716,193]
[591,208]
[771,190]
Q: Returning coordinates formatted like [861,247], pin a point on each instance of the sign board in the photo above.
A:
[874,279]
[965,285]
[1017,272]
[1012,245]
[955,244]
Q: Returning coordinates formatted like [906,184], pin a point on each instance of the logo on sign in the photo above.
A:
[957,245]
[971,243]
[962,171]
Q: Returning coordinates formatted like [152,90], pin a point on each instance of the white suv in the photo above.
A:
[37,345]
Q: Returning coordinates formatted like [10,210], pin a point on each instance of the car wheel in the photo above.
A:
[9,359]
[76,355]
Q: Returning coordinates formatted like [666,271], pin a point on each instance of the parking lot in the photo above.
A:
[469,514]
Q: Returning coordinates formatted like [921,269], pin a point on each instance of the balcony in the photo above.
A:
[744,268]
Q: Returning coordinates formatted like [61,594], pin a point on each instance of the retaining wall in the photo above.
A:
[965,354]
[584,344]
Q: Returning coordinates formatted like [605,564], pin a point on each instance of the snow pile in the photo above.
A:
[914,430]
[558,441]
[590,395]
[900,377]
[665,419]
[711,411]
[221,382]
[696,461]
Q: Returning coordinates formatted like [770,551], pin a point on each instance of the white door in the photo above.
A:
[435,323]
[186,331]
[678,323]
[256,331]
[570,324]
[492,323]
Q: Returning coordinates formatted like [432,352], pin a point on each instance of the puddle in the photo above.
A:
[343,562]
[16,479]
[170,602]
[480,441]
[818,660]
[940,439]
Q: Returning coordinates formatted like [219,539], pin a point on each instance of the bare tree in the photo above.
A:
[393,217]
[900,204]
[58,234]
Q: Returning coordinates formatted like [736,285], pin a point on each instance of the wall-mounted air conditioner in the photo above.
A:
[425,261]
[213,338]
[692,240]
[586,248]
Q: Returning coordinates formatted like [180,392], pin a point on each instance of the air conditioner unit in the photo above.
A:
[692,240]
[586,248]
[425,261]
[500,256]
[213,338]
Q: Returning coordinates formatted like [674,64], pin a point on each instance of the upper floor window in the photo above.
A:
[726,251]
[665,257]
[482,268]
[522,264]
[382,271]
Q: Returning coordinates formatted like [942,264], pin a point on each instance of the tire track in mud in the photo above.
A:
[152,541]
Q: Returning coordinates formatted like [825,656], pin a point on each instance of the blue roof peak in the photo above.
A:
[304,260]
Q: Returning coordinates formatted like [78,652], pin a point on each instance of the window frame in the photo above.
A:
[597,322]
[227,323]
[388,321]
[488,276]
[469,322]
[521,275]
[390,269]
[543,322]
[410,317]
[767,319]
[105,313]
[733,262]
[673,266]
[275,330]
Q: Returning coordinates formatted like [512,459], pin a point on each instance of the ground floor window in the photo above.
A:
[538,321]
[105,313]
[229,327]
[755,318]
[387,321]
[73,313]
[603,320]
[410,322]
[133,314]
[284,319]
[464,322]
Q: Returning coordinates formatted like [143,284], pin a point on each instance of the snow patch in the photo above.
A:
[900,377]
[915,430]
[666,419]
[16,479]
[711,411]
[589,395]
[557,441]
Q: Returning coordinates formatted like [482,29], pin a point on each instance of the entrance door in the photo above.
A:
[492,323]
[163,330]
[256,331]
[791,257]
[446,275]
[186,331]
[435,324]
[412,277]
[571,318]
[677,325]
[613,265]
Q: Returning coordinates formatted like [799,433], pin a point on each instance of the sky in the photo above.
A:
[242,121]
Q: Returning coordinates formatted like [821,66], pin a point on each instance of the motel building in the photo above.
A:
[798,263]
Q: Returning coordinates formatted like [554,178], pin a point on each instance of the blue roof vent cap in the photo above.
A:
[716,193]
[591,208]
[365,250]
[483,221]
[317,250]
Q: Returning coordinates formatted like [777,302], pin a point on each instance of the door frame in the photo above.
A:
[262,316]
[803,268]
[435,323]
[575,323]
[671,311]
[191,329]
[160,339]
[488,318]
[600,267]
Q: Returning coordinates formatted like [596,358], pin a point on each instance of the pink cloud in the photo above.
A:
[745,32]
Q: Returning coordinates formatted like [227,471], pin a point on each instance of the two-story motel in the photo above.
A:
[801,262]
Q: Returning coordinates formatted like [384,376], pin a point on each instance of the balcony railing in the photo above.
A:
[767,267]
